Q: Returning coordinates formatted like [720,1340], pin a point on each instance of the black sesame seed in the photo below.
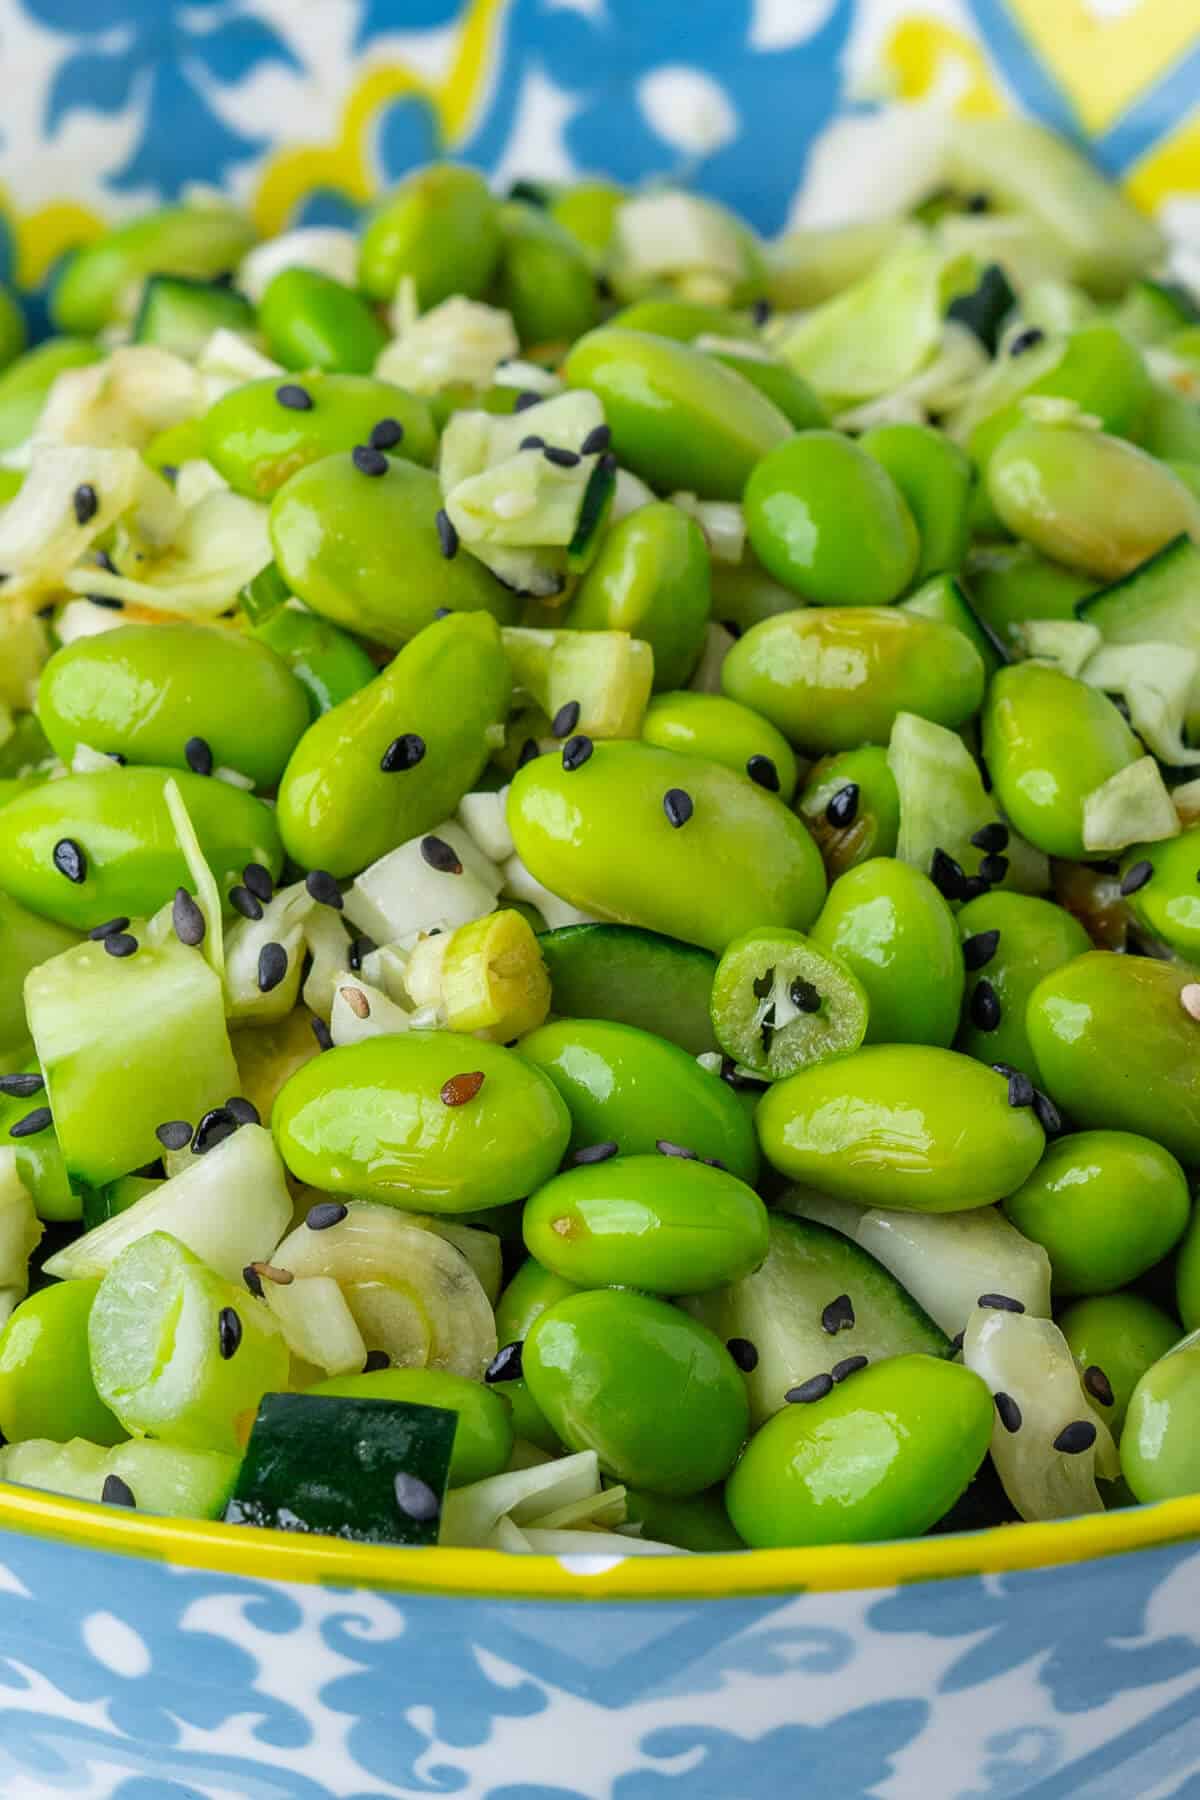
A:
[229,1332]
[973,886]
[1026,340]
[243,1110]
[565,719]
[763,771]
[526,399]
[321,1032]
[979,948]
[1136,876]
[608,462]
[253,1280]
[442,612]
[532,442]
[1000,1303]
[760,311]
[116,1492]
[70,861]
[258,880]
[174,1134]
[324,889]
[361,947]
[368,461]
[1076,1437]
[842,809]
[386,435]
[838,1315]
[120,943]
[731,1075]
[528,752]
[447,534]
[20,1087]
[1009,1412]
[245,902]
[592,1153]
[415,1498]
[324,1214]
[956,1342]
[187,919]
[576,751]
[803,994]
[376,1360]
[441,856]
[1098,1385]
[108,601]
[976,203]
[849,1365]
[815,1388]
[597,439]
[992,838]
[272,967]
[217,1124]
[506,1364]
[151,1171]
[562,459]
[743,1353]
[32,1123]
[403,753]
[678,806]
[984,1006]
[947,875]
[993,869]
[198,756]
[86,503]
[294,397]
[1046,1113]
[106,930]
[1020,1089]
[666,1147]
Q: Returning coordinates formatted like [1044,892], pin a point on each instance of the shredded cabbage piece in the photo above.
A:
[940,386]
[458,341]
[1131,807]
[1155,681]
[471,1513]
[136,392]
[221,544]
[41,533]
[283,922]
[359,1010]
[722,521]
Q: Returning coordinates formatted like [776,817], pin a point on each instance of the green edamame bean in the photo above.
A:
[588,210]
[780,1003]
[26,382]
[699,1522]
[890,926]
[1160,1446]
[1187,1276]
[129,857]
[1116,1048]
[600,835]
[828,520]
[850,804]
[329,664]
[833,678]
[26,940]
[781,385]
[884,1455]
[1035,937]
[1048,741]
[311,321]
[528,1295]
[441,227]
[907,1126]
[1095,502]
[1010,583]
[13,332]
[655,1394]
[1096,366]
[934,477]
[633,1089]
[685,320]
[1168,903]
[46,1386]
[678,418]
[544,280]
[256,441]
[665,1224]
[146,690]
[364,551]
[723,732]
[97,282]
[651,579]
[483,1437]
[176,444]
[370,1119]
[1105,1205]
[743,594]
[1118,1335]
[1170,425]
[344,800]
[39,1159]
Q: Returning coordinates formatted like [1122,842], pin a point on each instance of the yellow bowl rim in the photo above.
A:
[247,1551]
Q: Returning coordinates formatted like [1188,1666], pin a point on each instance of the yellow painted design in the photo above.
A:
[1172,167]
[284,1556]
[346,166]
[41,236]
[1104,63]
[926,57]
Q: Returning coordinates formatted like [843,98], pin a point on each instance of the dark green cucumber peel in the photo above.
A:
[635,977]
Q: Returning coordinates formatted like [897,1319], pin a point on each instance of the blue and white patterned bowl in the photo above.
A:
[146,1659]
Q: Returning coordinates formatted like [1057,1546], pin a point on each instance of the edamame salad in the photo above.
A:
[599,859]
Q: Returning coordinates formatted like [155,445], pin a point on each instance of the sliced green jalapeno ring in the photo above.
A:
[781,1002]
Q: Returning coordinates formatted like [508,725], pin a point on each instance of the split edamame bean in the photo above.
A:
[46,1386]
[851,805]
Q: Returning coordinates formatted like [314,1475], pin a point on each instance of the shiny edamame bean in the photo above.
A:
[781,385]
[666,1225]
[1105,1205]
[483,1437]
[429,1121]
[146,691]
[655,1394]
[441,227]
[651,579]
[884,1454]
[528,1295]
[258,434]
[633,1089]
[46,1386]
[1160,1446]
[363,550]
[329,664]
[648,837]
[1166,899]
[397,757]
[833,678]
[890,926]
[686,320]
[311,321]
[934,477]
[544,279]
[26,939]
[1114,1338]
[851,805]
[1009,942]
[197,241]
[1010,583]
[725,732]
[907,1126]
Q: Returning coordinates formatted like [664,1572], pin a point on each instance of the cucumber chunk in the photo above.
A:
[163,1479]
[180,315]
[635,977]
[1156,603]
